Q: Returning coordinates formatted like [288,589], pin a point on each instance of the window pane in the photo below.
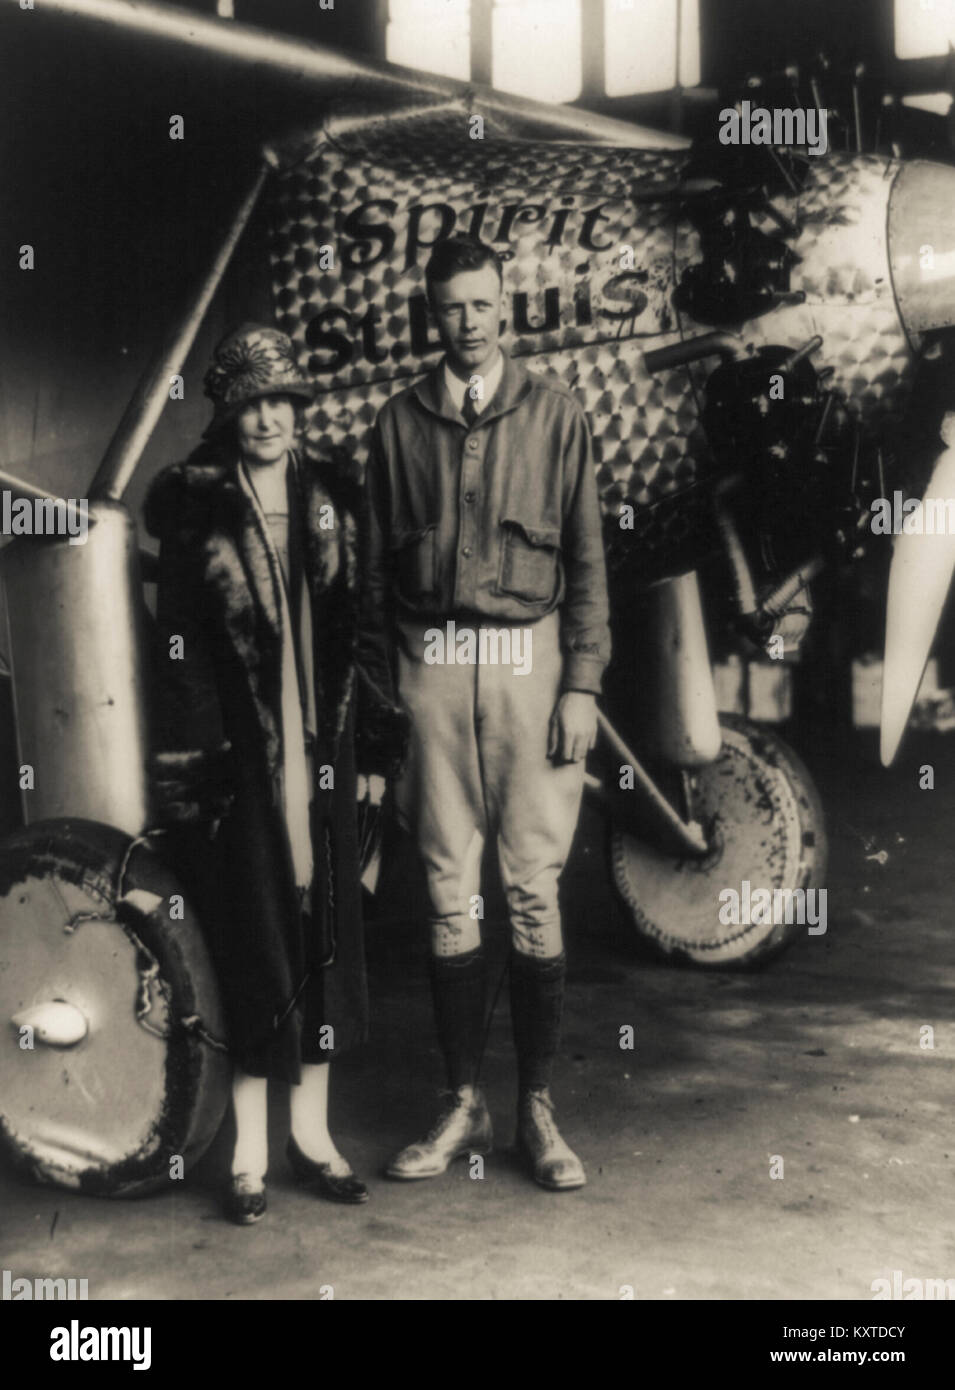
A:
[923,29]
[434,35]
[640,51]
[536,48]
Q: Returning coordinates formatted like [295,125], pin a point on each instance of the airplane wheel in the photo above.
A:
[112,1064]
[764,819]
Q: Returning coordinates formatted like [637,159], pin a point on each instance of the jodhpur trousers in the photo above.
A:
[478,766]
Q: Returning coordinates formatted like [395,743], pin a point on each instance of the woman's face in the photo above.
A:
[266,429]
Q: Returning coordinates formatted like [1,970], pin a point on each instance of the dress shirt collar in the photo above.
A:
[457,387]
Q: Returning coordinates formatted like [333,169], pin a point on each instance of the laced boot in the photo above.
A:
[552,1161]
[463,1127]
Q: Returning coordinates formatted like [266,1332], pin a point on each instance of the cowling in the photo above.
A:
[253,360]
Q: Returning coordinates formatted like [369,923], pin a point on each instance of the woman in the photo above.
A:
[258,596]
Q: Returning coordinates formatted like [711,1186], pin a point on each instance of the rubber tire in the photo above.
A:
[177,1100]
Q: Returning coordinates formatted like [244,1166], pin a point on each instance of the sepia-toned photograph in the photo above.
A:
[477,669]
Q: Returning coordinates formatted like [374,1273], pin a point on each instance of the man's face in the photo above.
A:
[467,309]
[266,429]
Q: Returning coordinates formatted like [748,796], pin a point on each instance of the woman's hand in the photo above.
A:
[371,788]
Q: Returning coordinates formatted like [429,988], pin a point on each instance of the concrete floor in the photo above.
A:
[816,1059]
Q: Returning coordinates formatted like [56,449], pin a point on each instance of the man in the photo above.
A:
[483,514]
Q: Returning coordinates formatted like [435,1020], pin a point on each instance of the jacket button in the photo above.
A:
[472,445]
[469,497]
[466,552]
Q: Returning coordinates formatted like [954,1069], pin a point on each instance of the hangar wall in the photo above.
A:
[126,217]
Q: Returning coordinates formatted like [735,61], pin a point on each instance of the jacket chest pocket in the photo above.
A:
[530,557]
[415,563]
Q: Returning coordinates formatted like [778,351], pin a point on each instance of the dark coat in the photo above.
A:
[283,976]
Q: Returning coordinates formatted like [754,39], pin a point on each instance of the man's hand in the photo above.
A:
[371,788]
[573,727]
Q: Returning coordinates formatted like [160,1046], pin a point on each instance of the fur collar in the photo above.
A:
[201,507]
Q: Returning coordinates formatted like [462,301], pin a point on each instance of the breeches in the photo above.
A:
[478,766]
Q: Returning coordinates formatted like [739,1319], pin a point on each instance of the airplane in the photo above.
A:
[743,324]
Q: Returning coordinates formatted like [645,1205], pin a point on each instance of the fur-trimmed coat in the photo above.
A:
[219,730]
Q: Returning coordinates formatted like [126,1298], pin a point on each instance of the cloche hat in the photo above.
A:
[253,360]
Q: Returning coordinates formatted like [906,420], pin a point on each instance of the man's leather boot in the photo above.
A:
[463,1127]
[551,1160]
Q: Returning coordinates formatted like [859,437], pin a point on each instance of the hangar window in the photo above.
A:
[535,48]
[923,28]
[434,35]
[651,45]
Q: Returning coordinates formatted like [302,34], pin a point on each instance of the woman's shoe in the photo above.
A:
[319,1178]
[244,1201]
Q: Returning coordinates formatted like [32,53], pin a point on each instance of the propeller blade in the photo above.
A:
[919,578]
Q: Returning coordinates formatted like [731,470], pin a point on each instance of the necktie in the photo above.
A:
[469,410]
